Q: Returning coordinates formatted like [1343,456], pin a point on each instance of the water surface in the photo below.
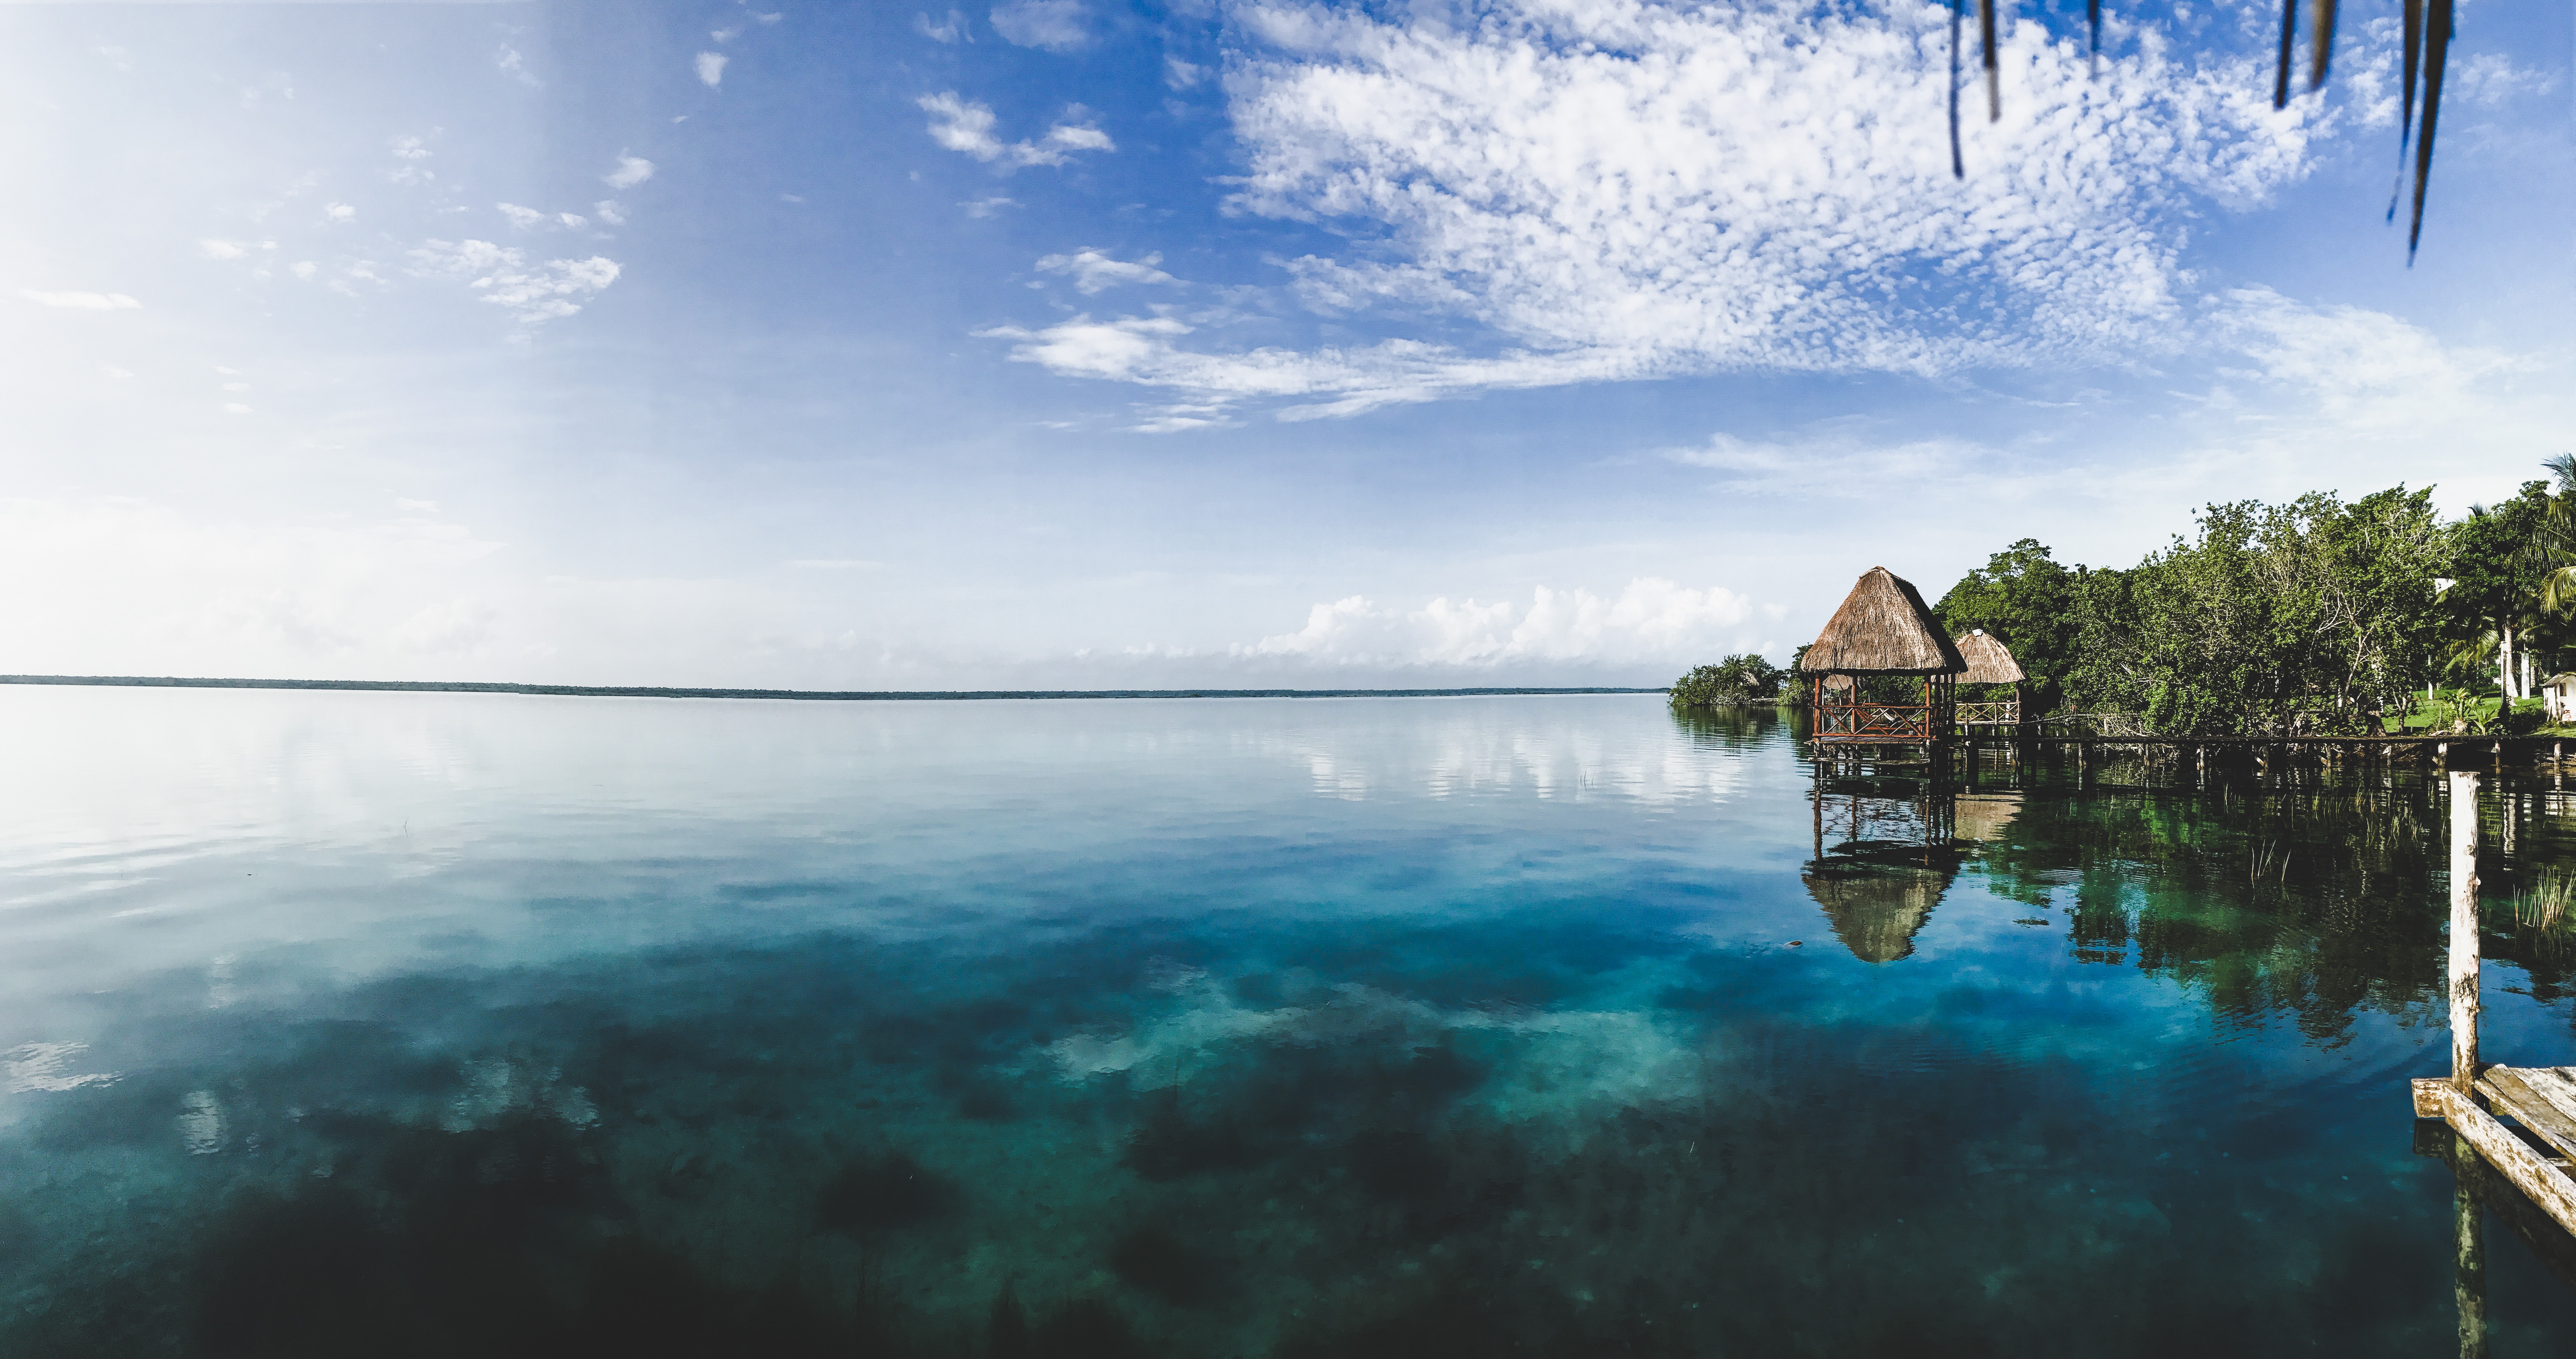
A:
[442,1024]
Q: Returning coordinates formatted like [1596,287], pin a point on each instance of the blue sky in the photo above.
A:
[1076,343]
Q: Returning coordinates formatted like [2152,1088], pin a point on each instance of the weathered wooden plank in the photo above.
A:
[2553,1084]
[2545,1184]
[2512,1092]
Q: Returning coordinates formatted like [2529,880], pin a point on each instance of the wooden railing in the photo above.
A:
[1886,721]
[2007,712]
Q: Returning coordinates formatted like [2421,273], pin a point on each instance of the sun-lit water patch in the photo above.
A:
[1107,1029]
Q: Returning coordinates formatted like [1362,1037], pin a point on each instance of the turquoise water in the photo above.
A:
[447,1024]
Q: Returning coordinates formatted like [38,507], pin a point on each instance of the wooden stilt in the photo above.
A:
[2464,930]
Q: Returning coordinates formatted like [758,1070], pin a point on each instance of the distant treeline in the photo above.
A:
[839,695]
[2295,617]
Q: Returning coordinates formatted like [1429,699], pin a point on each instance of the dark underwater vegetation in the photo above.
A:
[1421,1027]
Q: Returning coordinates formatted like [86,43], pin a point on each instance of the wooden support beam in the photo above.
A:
[2527,1095]
[2545,1184]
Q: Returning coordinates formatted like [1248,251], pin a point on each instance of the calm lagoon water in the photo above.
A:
[401,1024]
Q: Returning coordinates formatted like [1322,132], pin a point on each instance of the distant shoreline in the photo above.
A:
[810,695]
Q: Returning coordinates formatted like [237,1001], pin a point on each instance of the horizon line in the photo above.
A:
[809,695]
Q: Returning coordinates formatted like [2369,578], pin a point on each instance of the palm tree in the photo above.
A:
[2427,39]
[2555,544]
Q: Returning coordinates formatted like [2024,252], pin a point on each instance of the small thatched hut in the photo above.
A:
[1989,662]
[1882,628]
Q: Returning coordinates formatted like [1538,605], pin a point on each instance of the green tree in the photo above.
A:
[2269,618]
[2022,596]
[1741,678]
[2501,573]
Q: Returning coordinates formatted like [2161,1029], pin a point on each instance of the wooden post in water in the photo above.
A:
[2464,930]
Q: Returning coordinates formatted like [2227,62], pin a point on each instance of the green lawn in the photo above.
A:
[2480,710]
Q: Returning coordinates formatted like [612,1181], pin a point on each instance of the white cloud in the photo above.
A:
[2491,78]
[149,585]
[962,125]
[986,207]
[524,218]
[220,250]
[1179,418]
[1651,620]
[1835,461]
[1079,137]
[1181,75]
[504,278]
[610,211]
[835,564]
[965,126]
[1323,382]
[630,171]
[2364,368]
[1633,188]
[949,30]
[1094,270]
[1055,25]
[710,72]
[514,65]
[726,34]
[766,20]
[416,506]
[340,212]
[80,301]
[302,269]
[409,152]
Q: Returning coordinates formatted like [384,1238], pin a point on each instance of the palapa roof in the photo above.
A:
[1989,660]
[1883,629]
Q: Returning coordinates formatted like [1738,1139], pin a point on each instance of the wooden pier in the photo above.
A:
[2445,751]
[2515,1124]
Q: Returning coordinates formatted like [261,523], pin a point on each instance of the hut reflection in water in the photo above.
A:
[1886,852]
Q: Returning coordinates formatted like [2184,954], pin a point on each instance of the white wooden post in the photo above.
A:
[2464,929]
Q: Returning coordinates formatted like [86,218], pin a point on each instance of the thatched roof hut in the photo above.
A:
[1883,629]
[1989,660]
[1875,911]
